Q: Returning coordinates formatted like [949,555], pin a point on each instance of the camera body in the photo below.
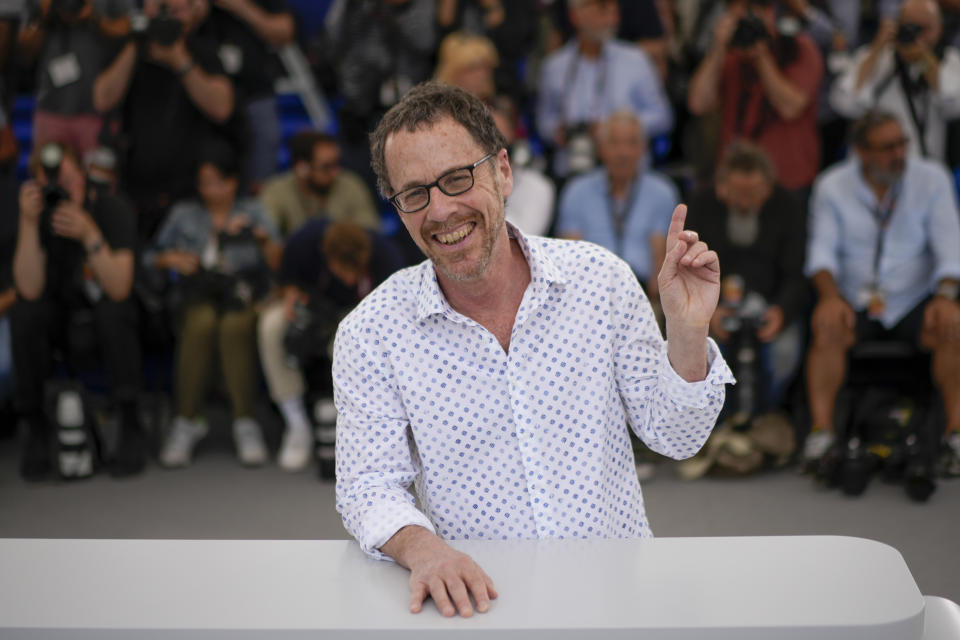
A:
[750,30]
[309,335]
[163,29]
[581,150]
[908,32]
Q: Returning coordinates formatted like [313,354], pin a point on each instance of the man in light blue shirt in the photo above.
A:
[884,236]
[620,206]
[594,75]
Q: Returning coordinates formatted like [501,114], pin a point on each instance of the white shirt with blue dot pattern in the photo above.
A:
[527,444]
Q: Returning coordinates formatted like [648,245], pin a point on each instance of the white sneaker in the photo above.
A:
[248,439]
[183,436]
[295,450]
[817,444]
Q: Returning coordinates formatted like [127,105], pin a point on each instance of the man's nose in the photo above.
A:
[441,205]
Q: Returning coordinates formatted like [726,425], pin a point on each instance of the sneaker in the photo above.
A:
[950,460]
[817,444]
[183,437]
[295,450]
[248,439]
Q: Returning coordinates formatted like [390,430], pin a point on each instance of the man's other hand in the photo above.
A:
[441,572]
[834,320]
[70,220]
[772,324]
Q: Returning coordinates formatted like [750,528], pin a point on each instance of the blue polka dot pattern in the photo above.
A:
[527,444]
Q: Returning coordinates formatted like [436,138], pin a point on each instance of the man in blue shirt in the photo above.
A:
[592,76]
[884,236]
[621,206]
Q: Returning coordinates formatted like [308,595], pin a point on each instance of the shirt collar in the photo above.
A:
[543,273]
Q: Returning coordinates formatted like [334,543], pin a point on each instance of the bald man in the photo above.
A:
[903,71]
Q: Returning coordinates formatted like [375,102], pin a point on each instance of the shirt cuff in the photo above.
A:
[698,394]
[389,521]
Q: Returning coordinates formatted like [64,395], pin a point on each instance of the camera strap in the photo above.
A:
[620,215]
[748,77]
[883,213]
[573,69]
[910,89]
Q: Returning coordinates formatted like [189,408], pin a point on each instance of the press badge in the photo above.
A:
[231,57]
[64,70]
[875,301]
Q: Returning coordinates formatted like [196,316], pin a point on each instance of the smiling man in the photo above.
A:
[500,375]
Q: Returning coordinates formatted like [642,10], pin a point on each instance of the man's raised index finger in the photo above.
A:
[676,225]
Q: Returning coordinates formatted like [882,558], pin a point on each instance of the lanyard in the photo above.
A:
[573,69]
[620,215]
[883,213]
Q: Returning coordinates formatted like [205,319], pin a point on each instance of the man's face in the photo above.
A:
[458,233]
[621,149]
[324,168]
[884,157]
[744,192]
[596,20]
[924,15]
[215,189]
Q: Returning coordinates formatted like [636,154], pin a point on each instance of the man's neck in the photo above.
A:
[589,48]
[878,188]
[620,185]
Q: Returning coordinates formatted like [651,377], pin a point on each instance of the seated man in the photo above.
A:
[317,187]
[884,256]
[588,79]
[327,268]
[73,252]
[759,231]
[621,206]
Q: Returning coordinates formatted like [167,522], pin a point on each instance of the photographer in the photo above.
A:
[759,231]
[174,94]
[327,268]
[903,71]
[74,252]
[72,41]
[217,249]
[764,80]
[588,79]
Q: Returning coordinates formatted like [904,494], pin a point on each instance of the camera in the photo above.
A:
[311,331]
[581,151]
[51,156]
[908,32]
[750,30]
[164,29]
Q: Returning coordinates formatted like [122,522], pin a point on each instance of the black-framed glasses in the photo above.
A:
[452,183]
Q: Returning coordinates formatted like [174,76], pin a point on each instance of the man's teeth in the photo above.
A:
[456,236]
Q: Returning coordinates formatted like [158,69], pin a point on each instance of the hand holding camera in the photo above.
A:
[70,220]
[31,203]
[183,262]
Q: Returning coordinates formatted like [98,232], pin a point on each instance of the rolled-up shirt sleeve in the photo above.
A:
[672,416]
[823,234]
[375,463]
[947,96]
[845,97]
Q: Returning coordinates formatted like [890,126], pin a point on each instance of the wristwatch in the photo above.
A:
[948,289]
[95,247]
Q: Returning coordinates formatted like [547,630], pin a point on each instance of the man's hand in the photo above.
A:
[772,324]
[291,296]
[725,27]
[690,276]
[174,57]
[886,34]
[438,570]
[941,322]
[31,203]
[834,320]
[183,262]
[70,220]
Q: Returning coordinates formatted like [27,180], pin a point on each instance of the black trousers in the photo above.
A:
[41,328]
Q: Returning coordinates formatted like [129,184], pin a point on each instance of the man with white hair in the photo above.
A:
[592,76]
[904,72]
[621,205]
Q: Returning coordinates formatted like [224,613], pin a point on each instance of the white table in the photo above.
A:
[776,588]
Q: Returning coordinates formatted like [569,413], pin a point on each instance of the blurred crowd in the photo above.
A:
[168,231]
